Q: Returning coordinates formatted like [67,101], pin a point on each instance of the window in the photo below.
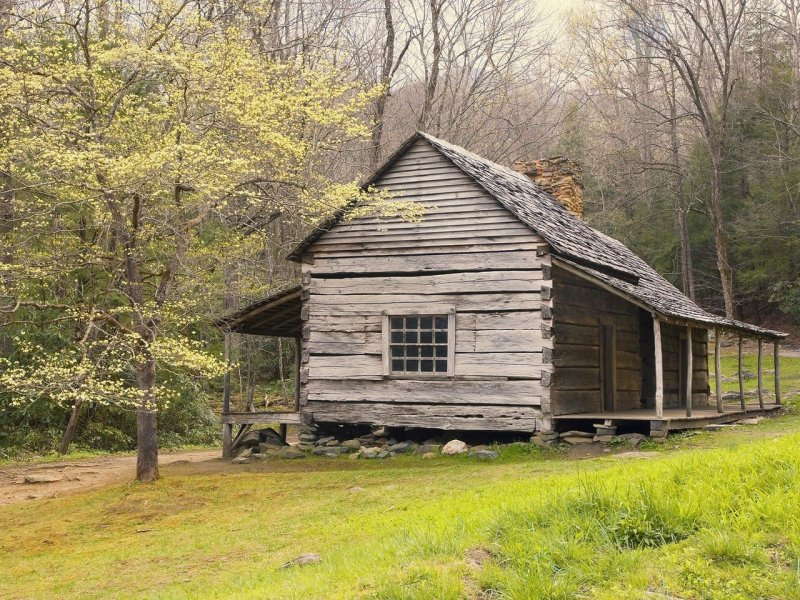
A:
[419,345]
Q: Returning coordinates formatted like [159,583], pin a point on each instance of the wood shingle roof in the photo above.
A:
[572,242]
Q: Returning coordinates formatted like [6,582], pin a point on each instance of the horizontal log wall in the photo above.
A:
[673,338]
[467,254]
[579,309]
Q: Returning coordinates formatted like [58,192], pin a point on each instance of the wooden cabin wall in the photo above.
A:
[579,309]
[673,338]
[467,253]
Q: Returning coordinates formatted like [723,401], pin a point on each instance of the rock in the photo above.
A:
[354,456]
[429,455]
[250,439]
[658,434]
[383,454]
[428,449]
[369,452]
[543,443]
[351,444]
[485,454]
[44,478]
[333,443]
[244,452]
[573,440]
[380,432]
[259,456]
[305,447]
[328,451]
[750,421]
[576,434]
[366,439]
[455,447]
[402,447]
[324,440]
[265,447]
[612,431]
[270,436]
[434,441]
[634,439]
[604,439]
[304,559]
[240,460]
[547,435]
[292,452]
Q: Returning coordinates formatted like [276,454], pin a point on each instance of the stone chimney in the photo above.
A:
[560,177]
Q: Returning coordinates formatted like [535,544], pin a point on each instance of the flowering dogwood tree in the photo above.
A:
[129,133]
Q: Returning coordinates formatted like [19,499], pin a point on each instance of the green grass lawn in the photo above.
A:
[790,372]
[711,515]
[704,516]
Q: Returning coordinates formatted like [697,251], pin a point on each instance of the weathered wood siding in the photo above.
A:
[467,253]
[579,310]
[673,343]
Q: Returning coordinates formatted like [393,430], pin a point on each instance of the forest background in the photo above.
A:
[159,159]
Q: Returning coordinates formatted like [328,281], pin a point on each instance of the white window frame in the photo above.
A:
[419,311]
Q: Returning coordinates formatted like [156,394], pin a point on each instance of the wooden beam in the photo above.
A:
[227,439]
[689,371]
[741,375]
[298,342]
[760,373]
[226,398]
[255,418]
[659,359]
[718,370]
[777,374]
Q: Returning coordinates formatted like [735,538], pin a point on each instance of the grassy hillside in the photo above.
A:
[711,515]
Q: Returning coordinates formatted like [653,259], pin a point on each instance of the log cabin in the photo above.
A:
[500,309]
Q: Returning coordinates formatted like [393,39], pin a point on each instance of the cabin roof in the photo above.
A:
[579,246]
[278,315]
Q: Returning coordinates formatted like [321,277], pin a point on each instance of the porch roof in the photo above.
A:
[278,315]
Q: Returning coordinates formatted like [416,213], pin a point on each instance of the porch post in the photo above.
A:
[689,370]
[718,371]
[298,343]
[777,374]
[227,428]
[741,375]
[659,367]
[760,373]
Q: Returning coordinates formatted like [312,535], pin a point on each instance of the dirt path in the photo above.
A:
[78,476]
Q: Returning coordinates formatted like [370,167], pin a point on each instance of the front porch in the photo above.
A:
[672,419]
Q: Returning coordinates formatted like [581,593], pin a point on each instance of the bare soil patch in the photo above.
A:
[52,480]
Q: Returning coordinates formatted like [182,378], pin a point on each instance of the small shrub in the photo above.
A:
[104,437]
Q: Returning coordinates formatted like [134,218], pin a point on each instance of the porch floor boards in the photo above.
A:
[675,418]
[256,418]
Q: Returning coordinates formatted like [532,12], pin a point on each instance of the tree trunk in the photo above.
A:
[720,237]
[72,426]
[433,78]
[146,431]
[386,82]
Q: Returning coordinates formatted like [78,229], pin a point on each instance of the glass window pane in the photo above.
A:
[441,351]
[441,337]
[411,337]
[412,351]
[426,366]
[397,322]
[397,365]
[441,366]
[397,351]
[411,322]
[425,337]
[425,322]
[441,322]
[397,337]
[427,351]
[412,365]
